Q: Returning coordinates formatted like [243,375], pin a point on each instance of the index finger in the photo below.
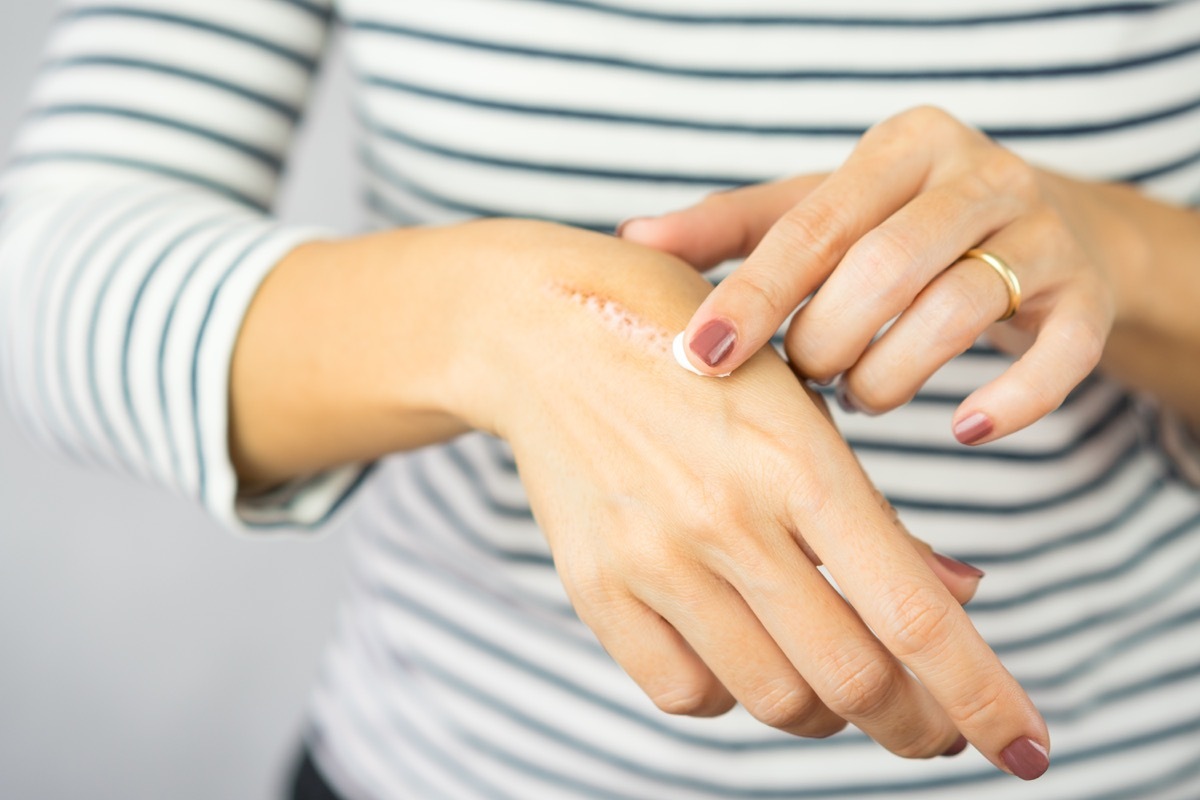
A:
[885,579]
[800,250]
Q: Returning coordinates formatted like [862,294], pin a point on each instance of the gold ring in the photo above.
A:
[1006,274]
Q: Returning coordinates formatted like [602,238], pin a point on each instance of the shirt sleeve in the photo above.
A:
[135,230]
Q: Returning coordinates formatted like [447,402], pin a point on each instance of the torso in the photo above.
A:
[460,669]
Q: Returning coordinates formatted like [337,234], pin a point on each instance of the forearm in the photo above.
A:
[1154,250]
[356,348]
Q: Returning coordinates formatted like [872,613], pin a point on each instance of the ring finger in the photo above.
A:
[729,638]
[943,321]
[886,270]
[858,679]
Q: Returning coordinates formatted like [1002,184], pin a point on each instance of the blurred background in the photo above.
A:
[144,652]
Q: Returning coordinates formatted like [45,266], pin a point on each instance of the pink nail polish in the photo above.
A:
[1026,758]
[714,342]
[973,428]
[959,568]
[959,745]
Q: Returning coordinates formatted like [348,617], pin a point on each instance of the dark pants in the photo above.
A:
[307,783]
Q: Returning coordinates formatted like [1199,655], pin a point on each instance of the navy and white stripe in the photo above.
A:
[135,228]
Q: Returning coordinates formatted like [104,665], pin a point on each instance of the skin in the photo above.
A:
[1108,275]
[685,515]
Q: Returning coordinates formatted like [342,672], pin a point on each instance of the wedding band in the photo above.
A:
[1006,274]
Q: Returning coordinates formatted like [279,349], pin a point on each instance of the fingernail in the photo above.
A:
[844,399]
[713,342]
[624,226]
[959,745]
[973,428]
[959,568]
[1026,758]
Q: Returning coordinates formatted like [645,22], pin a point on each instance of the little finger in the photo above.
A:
[1069,343]
[655,656]
[848,668]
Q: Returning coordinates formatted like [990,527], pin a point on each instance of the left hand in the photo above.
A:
[883,237]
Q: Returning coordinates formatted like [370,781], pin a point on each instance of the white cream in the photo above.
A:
[682,359]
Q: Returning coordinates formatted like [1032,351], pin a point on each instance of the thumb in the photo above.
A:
[723,225]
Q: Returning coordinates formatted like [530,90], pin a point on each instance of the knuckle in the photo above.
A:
[641,554]
[1074,349]
[862,690]
[817,230]
[953,312]
[767,290]
[881,262]
[1005,173]
[691,699]
[704,499]
[782,704]
[822,726]
[1091,350]
[718,527]
[920,742]
[918,620]
[813,360]
[808,496]
[1083,341]
[981,709]
[1039,397]
[589,587]
[928,115]
[1048,225]
[915,122]
[877,393]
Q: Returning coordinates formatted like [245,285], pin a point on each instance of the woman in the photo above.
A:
[158,321]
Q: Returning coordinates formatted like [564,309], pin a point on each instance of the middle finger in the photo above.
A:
[847,667]
[887,268]
[945,319]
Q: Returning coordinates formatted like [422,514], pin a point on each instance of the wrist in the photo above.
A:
[359,347]
[335,361]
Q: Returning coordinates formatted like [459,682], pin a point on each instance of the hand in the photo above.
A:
[883,237]
[686,517]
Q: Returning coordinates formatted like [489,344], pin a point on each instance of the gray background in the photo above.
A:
[145,653]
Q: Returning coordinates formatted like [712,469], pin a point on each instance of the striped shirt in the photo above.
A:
[136,227]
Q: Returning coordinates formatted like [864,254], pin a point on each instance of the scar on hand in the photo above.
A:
[616,318]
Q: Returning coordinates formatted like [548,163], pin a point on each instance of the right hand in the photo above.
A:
[687,516]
